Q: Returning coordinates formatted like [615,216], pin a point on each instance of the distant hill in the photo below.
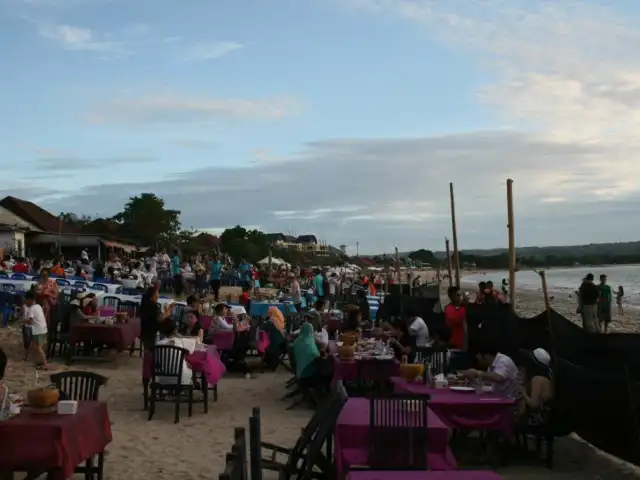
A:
[622,248]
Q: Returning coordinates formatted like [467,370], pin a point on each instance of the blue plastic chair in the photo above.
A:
[100,287]
[4,275]
[8,287]
[6,306]
[62,282]
[81,284]
[18,276]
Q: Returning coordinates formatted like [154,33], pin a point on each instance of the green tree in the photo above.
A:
[238,242]
[146,220]
[75,220]
[423,256]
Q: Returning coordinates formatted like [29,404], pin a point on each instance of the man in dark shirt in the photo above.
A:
[588,295]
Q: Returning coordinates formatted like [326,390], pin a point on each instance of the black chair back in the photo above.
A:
[438,358]
[80,386]
[131,308]
[398,432]
[168,362]
[110,300]
[100,286]
[255,441]
[236,461]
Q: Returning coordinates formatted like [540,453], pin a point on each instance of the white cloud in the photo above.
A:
[168,108]
[210,51]
[80,39]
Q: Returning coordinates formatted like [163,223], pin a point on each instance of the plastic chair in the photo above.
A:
[62,282]
[100,287]
[8,287]
[18,276]
[4,275]
[6,306]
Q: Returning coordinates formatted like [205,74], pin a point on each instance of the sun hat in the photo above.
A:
[541,356]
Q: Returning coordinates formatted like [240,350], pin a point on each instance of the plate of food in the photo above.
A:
[462,389]
[384,357]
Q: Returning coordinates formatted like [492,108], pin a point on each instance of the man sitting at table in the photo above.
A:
[501,372]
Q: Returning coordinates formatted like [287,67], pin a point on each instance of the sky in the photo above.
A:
[346,119]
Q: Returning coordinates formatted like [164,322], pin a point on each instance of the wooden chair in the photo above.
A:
[168,363]
[236,460]
[82,386]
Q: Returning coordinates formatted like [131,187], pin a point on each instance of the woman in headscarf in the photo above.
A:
[47,293]
[275,315]
[537,390]
[305,352]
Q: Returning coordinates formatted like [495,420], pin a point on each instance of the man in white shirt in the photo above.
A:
[419,329]
[34,318]
[333,288]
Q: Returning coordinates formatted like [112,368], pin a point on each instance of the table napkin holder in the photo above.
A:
[67,407]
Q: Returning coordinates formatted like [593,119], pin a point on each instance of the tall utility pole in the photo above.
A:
[357,249]
[456,253]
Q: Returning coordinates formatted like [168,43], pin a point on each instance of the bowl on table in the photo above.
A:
[43,397]
[411,371]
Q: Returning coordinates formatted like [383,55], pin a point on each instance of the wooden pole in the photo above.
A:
[387,275]
[512,247]
[269,266]
[449,269]
[545,292]
[456,253]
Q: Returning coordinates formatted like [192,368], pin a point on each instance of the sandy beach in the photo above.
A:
[195,448]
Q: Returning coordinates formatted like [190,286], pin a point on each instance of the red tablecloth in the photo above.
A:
[118,335]
[467,411]
[351,438]
[208,363]
[364,370]
[36,442]
[417,475]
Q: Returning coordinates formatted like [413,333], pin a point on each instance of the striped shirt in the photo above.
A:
[504,366]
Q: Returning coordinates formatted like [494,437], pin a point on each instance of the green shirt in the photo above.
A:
[605,294]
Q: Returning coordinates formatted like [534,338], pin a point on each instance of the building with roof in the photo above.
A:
[307,244]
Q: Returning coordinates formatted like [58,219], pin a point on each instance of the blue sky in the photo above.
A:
[343,118]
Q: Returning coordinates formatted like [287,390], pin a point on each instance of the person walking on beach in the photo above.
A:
[604,304]
[619,296]
[588,295]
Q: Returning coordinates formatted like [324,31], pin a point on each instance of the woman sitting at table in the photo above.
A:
[277,341]
[277,318]
[320,334]
[311,369]
[152,317]
[537,390]
[190,325]
[220,323]
[401,341]
[89,304]
[170,332]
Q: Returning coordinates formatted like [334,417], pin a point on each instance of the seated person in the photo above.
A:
[74,314]
[537,391]
[89,303]
[440,337]
[402,342]
[220,323]
[311,368]
[354,319]
[190,326]
[277,318]
[320,334]
[277,340]
[170,331]
[244,297]
[498,370]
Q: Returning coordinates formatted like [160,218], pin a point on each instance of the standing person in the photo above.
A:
[47,293]
[177,274]
[256,274]
[215,267]
[33,317]
[318,284]
[619,297]
[588,295]
[418,328]
[604,304]
[151,316]
[244,271]
[152,266]
[333,289]
[455,316]
[296,294]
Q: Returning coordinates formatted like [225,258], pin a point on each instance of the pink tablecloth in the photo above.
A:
[467,411]
[223,340]
[364,370]
[263,342]
[208,363]
[351,442]
[415,475]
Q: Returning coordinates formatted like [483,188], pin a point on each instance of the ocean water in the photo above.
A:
[567,280]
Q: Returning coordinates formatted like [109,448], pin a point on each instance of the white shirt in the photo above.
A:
[187,373]
[333,282]
[421,331]
[221,324]
[321,337]
[39,322]
[84,255]
[152,262]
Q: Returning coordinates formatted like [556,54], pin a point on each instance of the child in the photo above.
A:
[33,316]
[619,296]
